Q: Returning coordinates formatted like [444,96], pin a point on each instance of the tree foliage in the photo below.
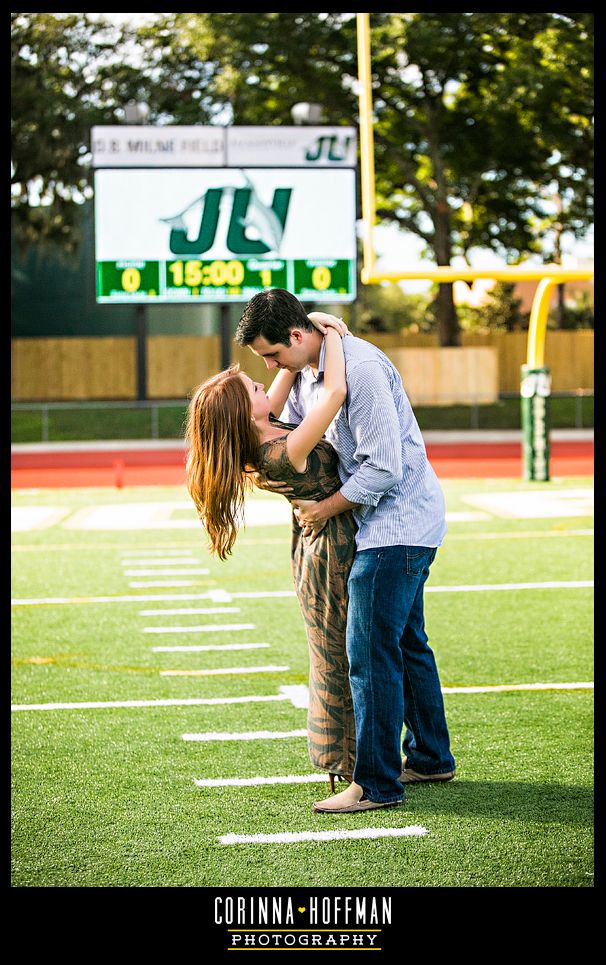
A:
[68,73]
[501,312]
[481,119]
[386,308]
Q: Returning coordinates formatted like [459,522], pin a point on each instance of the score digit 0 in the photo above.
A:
[222,273]
[321,278]
[131,280]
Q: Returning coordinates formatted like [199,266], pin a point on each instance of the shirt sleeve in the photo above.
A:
[375,427]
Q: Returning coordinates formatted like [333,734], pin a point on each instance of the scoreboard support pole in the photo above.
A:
[141,326]
[225,335]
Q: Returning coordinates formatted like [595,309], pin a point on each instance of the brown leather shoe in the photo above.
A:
[349,801]
[408,776]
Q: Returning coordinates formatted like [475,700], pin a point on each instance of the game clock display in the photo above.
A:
[194,279]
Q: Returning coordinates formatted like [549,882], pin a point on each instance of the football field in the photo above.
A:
[159,700]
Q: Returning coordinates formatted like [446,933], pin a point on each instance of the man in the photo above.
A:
[398,505]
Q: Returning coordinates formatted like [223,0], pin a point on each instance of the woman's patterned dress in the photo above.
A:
[321,570]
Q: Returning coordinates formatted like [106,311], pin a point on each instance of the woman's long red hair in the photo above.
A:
[223,447]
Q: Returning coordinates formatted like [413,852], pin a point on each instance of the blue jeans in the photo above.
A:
[393,673]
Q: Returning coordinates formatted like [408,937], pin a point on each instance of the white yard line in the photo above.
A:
[150,553]
[534,504]
[256,781]
[490,587]
[27,518]
[178,561]
[261,594]
[209,628]
[196,649]
[182,611]
[252,735]
[167,572]
[223,596]
[222,671]
[170,702]
[142,585]
[294,837]
[523,534]
[526,534]
[298,695]
[502,688]
[465,517]
[214,595]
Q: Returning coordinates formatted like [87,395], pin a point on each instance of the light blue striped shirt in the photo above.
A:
[383,464]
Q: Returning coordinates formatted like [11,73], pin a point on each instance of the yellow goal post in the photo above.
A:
[546,275]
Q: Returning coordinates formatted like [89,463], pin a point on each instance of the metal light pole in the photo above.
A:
[306,113]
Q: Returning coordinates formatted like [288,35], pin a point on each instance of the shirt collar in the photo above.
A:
[321,359]
[307,375]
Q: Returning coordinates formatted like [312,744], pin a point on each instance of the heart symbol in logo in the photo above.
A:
[302,910]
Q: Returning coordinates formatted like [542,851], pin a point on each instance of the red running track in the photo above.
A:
[121,466]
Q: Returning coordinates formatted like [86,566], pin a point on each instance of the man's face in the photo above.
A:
[293,357]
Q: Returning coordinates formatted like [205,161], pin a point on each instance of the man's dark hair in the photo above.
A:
[272,314]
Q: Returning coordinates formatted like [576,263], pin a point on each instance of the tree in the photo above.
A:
[68,73]
[386,308]
[246,68]
[469,117]
[476,114]
[502,311]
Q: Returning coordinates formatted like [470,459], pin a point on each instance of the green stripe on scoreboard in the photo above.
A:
[216,280]
[123,279]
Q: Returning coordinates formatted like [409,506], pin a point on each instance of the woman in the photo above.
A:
[233,433]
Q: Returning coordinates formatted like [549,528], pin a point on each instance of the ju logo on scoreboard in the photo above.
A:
[248,211]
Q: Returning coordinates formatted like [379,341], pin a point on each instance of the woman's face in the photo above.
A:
[261,406]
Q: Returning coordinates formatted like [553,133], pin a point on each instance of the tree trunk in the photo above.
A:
[449,332]
[446,316]
[558,228]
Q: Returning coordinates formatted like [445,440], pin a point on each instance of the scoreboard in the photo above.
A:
[213,234]
[195,280]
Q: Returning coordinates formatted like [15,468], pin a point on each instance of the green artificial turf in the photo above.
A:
[107,797]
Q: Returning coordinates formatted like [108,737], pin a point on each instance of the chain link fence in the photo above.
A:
[165,419]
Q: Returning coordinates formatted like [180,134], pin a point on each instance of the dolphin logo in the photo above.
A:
[268,222]
[248,212]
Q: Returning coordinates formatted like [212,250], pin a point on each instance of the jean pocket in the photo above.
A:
[418,558]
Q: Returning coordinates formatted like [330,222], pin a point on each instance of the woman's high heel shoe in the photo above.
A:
[341,777]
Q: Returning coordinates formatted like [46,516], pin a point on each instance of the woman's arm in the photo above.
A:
[302,440]
[279,390]
[323,320]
